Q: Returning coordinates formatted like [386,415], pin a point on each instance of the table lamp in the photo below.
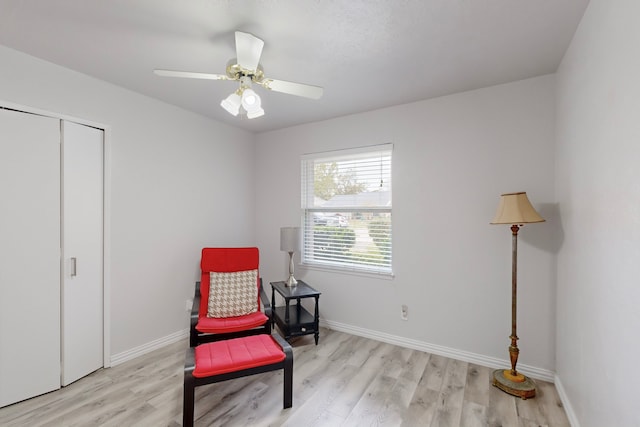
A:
[290,242]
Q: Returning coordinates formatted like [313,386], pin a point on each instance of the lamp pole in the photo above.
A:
[291,281]
[290,243]
[513,348]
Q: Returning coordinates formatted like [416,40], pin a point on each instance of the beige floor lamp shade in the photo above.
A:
[515,208]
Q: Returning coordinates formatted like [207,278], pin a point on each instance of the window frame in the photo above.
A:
[309,210]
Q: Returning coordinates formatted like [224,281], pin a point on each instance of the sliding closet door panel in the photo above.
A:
[82,304]
[29,255]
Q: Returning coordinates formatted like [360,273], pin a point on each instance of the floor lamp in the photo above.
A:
[514,209]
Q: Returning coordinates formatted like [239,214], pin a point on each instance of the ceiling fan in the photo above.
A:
[246,69]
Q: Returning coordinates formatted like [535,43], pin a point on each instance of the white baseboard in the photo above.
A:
[465,356]
[119,358]
[566,403]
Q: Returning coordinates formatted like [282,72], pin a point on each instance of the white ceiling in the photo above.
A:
[367,54]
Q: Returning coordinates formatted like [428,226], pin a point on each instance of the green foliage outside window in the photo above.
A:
[380,233]
[329,182]
[333,241]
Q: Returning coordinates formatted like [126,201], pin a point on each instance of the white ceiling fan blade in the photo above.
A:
[248,50]
[190,75]
[299,89]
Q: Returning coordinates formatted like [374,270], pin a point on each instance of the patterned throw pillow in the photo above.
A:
[233,294]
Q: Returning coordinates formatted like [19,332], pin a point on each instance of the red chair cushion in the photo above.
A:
[214,325]
[229,259]
[224,260]
[236,354]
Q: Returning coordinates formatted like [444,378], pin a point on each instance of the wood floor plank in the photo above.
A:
[356,387]
[529,409]
[229,411]
[343,381]
[477,386]
[523,422]
[473,414]
[402,392]
[362,349]
[367,410]
[502,408]
[550,405]
[315,411]
[451,396]
[435,372]
[422,408]
[311,368]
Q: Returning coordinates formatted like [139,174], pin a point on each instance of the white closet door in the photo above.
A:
[82,302]
[29,255]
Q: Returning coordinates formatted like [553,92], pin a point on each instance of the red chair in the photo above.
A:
[226,267]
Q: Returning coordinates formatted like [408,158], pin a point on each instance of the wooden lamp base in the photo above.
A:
[517,385]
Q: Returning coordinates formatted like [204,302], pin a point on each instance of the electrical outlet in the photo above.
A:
[188,305]
[404,312]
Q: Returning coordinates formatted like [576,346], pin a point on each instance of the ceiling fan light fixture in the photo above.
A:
[232,103]
[250,100]
[256,113]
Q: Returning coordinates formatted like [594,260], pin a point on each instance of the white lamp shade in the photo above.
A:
[232,104]
[254,114]
[250,100]
[290,239]
[515,208]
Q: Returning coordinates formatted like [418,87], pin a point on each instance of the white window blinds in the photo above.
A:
[346,203]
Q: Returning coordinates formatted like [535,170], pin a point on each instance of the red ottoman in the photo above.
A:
[234,358]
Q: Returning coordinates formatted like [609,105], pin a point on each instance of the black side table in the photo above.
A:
[298,321]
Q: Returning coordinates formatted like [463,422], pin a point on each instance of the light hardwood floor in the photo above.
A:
[344,381]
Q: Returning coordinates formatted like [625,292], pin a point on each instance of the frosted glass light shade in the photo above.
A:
[232,104]
[250,100]
[515,208]
[254,114]
[290,239]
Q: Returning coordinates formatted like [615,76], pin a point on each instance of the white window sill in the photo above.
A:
[347,270]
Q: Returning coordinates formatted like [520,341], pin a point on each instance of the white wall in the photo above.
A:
[453,157]
[178,182]
[598,159]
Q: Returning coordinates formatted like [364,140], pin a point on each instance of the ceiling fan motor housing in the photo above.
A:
[236,72]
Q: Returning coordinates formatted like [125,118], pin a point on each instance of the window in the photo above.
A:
[346,203]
